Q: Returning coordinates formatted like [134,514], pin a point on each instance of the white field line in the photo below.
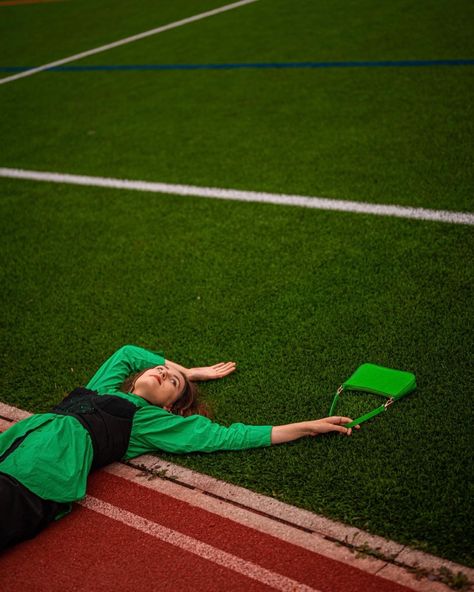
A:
[131,39]
[319,203]
[192,545]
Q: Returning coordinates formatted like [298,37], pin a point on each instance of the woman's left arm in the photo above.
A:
[205,372]
[155,429]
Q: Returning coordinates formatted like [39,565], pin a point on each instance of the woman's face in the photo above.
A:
[160,385]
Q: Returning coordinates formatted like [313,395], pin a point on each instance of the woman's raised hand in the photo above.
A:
[211,372]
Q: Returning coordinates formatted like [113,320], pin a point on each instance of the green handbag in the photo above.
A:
[390,383]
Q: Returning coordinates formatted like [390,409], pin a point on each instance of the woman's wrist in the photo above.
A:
[181,369]
[193,374]
[289,432]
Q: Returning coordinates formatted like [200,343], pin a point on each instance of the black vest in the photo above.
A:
[107,418]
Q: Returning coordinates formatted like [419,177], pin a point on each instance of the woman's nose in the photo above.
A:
[164,373]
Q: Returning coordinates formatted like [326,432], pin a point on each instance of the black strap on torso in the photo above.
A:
[107,418]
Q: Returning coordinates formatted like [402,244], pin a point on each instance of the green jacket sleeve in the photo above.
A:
[156,429]
[125,361]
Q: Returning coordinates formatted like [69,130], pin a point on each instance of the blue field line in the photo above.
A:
[268,65]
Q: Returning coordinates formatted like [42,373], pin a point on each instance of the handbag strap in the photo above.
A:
[362,418]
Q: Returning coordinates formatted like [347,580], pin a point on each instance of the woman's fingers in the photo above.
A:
[338,420]
[338,424]
[342,420]
[211,372]
[342,430]
[224,368]
[224,365]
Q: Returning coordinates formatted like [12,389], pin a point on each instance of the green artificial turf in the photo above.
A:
[299,298]
[329,30]
[385,135]
[37,34]
[374,135]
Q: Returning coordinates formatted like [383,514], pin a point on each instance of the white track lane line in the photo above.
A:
[137,37]
[251,501]
[192,545]
[319,203]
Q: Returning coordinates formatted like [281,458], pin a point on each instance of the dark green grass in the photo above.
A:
[37,34]
[299,299]
[381,135]
[392,135]
[329,30]
[269,30]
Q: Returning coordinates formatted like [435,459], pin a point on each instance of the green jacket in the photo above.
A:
[54,459]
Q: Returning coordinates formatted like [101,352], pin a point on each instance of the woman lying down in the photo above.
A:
[137,402]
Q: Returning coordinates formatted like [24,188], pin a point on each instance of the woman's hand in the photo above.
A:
[330,424]
[211,372]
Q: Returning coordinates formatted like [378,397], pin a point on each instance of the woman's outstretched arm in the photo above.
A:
[294,431]
[155,429]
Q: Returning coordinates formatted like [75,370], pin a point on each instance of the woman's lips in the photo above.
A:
[158,378]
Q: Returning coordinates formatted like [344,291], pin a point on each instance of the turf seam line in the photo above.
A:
[320,203]
[195,546]
[130,39]
[244,65]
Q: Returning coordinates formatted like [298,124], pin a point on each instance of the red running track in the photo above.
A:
[87,551]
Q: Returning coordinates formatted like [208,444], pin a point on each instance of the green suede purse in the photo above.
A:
[390,383]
